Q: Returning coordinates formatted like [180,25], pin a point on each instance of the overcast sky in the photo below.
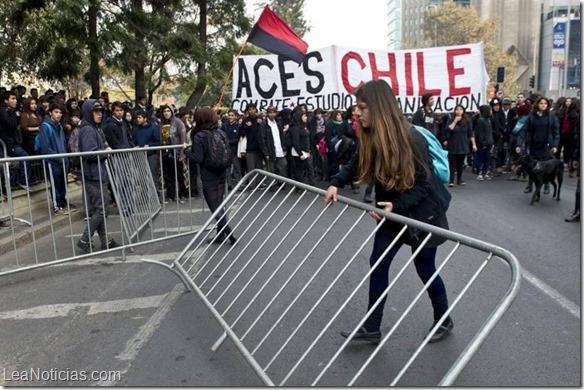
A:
[360,24]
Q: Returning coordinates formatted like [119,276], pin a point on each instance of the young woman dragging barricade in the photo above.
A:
[394,158]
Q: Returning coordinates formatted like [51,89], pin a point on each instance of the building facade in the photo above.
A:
[528,29]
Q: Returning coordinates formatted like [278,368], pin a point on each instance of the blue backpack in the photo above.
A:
[37,138]
[438,155]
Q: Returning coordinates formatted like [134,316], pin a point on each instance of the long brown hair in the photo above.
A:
[387,153]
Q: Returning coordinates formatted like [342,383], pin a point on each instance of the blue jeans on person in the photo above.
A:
[379,279]
[18,151]
[483,160]
[58,184]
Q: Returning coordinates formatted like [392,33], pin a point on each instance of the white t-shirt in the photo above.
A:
[276,136]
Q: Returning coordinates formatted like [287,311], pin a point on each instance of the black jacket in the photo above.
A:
[117,134]
[419,202]
[268,139]
[484,128]
[9,132]
[253,134]
[232,132]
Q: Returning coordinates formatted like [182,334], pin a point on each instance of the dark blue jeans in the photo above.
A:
[18,151]
[58,184]
[483,160]
[379,280]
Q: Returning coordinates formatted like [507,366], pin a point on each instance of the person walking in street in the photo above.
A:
[206,123]
[95,176]
[484,142]
[540,136]
[395,158]
[456,140]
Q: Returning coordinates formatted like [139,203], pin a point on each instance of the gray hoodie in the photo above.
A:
[91,138]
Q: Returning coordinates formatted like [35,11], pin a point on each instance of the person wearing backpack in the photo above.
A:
[51,140]
[396,160]
[211,150]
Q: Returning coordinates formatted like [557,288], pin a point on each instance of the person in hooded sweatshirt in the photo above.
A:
[95,176]
[52,141]
[484,141]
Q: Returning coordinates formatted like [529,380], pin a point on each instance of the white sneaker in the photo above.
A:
[480,177]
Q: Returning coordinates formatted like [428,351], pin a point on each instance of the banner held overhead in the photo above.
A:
[328,77]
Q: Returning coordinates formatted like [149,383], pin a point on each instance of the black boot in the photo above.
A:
[440,306]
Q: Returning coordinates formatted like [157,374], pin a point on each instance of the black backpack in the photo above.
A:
[217,151]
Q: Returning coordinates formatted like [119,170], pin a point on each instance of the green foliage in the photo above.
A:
[292,12]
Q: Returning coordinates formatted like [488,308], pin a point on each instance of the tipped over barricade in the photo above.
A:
[298,274]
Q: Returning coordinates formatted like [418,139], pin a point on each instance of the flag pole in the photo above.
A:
[219,102]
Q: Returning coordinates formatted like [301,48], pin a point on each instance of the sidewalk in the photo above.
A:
[37,211]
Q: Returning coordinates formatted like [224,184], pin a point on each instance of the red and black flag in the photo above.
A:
[274,35]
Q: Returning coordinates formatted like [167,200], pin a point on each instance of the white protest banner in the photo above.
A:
[328,78]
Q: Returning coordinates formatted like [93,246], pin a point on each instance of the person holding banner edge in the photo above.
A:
[394,158]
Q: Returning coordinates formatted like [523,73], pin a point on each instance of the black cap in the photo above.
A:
[97,106]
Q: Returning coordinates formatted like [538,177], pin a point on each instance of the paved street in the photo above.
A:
[137,321]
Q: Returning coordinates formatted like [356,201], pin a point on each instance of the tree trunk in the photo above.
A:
[141,60]
[202,66]
[93,49]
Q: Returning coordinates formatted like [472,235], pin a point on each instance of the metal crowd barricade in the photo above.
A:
[134,191]
[33,236]
[281,292]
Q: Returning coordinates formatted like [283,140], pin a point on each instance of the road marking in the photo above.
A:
[64,309]
[564,302]
[146,332]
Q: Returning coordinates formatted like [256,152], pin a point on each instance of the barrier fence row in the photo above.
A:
[34,236]
[295,276]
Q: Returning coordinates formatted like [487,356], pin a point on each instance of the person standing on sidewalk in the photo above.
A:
[95,176]
[395,158]
[12,137]
[51,140]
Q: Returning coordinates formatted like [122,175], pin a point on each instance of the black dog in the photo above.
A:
[541,172]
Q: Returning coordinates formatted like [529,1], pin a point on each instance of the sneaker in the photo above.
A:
[232,239]
[84,246]
[109,245]
[363,335]
[451,184]
[60,211]
[488,177]
[367,198]
[480,177]
[461,183]
[442,331]
[546,190]
[527,189]
[182,200]
[72,207]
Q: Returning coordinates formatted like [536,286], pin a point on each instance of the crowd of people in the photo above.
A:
[307,146]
